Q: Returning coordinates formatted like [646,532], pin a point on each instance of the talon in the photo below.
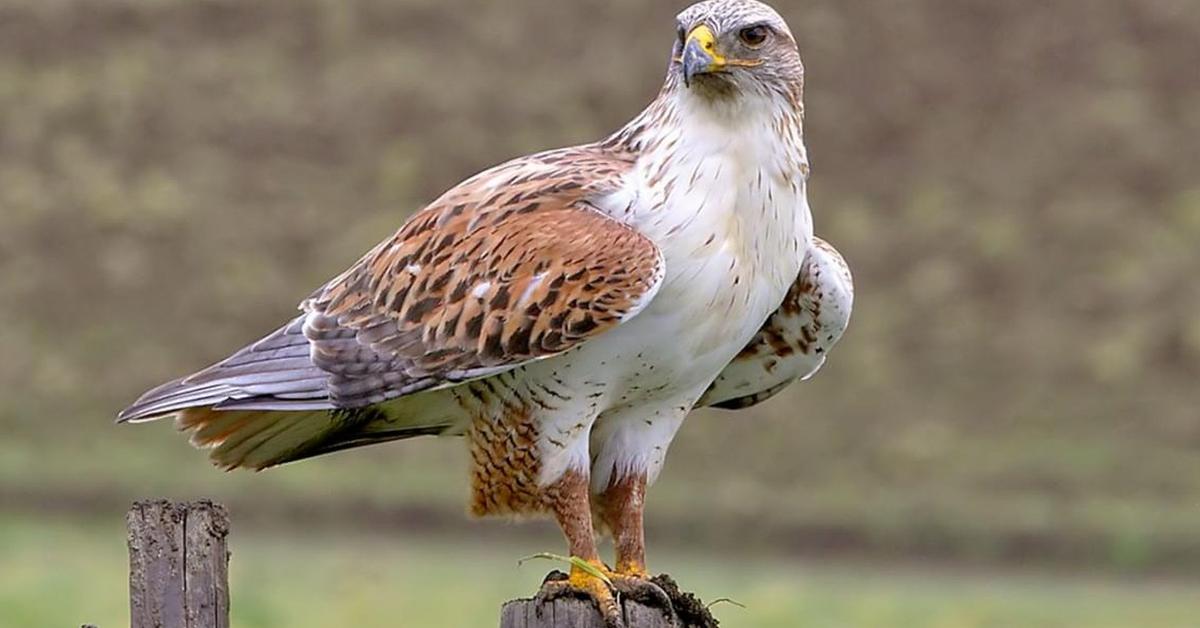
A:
[583,584]
[554,576]
[640,588]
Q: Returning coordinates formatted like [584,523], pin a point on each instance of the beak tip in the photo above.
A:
[694,60]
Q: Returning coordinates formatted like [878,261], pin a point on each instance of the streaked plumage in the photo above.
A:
[794,341]
[566,310]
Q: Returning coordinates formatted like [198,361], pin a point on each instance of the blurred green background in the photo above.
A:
[1008,435]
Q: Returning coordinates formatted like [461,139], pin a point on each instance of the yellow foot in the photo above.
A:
[593,579]
[589,583]
[633,570]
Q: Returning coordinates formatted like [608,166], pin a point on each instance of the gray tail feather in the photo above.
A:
[269,404]
[275,373]
[351,440]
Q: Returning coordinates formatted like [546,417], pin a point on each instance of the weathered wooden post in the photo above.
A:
[572,613]
[684,610]
[178,565]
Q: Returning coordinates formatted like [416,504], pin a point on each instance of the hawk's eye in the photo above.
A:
[754,35]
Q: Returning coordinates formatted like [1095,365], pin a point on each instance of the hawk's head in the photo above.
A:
[731,47]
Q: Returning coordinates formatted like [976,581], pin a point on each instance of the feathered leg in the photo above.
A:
[620,509]
[568,499]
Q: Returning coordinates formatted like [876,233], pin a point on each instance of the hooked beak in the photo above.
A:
[700,54]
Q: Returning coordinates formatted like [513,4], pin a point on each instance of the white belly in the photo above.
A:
[730,258]
[696,324]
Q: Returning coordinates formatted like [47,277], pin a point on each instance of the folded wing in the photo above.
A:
[510,266]
[794,341]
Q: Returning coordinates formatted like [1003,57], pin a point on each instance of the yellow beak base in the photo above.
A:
[707,42]
[700,54]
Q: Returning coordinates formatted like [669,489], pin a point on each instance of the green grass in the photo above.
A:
[60,573]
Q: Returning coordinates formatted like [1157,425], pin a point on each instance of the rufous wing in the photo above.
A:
[512,265]
[507,268]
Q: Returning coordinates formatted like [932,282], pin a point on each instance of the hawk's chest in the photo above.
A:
[729,214]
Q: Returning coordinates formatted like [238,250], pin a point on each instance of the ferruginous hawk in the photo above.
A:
[565,311]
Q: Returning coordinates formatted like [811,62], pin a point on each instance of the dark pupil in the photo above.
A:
[754,35]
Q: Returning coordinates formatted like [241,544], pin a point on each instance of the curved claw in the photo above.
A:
[643,590]
[583,584]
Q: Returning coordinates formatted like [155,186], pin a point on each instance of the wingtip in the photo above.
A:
[136,414]
[125,416]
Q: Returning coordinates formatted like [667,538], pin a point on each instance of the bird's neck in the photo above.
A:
[730,178]
[682,131]
[677,106]
[680,120]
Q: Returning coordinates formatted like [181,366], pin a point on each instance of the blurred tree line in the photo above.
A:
[1013,183]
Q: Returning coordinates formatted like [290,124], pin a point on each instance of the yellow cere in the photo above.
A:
[708,42]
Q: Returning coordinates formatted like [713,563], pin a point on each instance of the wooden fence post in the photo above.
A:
[178,565]
[573,613]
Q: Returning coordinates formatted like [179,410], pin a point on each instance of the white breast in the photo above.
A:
[726,205]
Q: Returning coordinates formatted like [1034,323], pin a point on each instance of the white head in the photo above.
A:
[734,69]
[735,49]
